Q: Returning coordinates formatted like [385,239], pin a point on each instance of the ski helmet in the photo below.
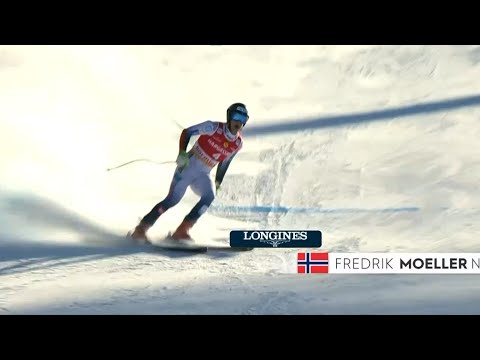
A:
[238,112]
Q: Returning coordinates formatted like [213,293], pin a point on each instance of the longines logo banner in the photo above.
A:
[276,238]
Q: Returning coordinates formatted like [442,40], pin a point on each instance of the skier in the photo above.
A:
[217,144]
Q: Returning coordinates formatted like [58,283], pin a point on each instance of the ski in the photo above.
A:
[197,248]
[190,246]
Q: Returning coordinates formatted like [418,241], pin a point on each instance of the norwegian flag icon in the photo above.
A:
[312,262]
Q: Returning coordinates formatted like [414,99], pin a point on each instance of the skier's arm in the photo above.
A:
[206,127]
[223,167]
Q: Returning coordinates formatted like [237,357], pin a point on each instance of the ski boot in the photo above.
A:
[139,235]
[182,232]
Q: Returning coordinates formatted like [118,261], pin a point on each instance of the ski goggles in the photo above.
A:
[239,116]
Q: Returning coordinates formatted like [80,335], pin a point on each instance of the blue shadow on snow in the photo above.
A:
[361,117]
[305,210]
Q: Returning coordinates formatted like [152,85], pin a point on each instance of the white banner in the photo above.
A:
[388,263]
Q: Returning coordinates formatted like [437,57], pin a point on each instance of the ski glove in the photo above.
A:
[182,159]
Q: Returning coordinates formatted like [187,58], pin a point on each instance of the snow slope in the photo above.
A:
[376,146]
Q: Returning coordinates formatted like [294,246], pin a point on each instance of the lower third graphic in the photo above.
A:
[388,263]
[312,262]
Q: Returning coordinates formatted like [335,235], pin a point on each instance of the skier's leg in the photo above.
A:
[180,182]
[203,187]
